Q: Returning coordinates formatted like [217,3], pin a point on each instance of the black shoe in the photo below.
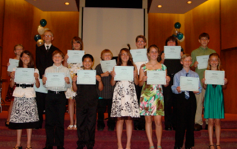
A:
[169,128]
[110,128]
[188,147]
[7,123]
[141,127]
[197,127]
[48,147]
[100,128]
[206,127]
[60,147]
[19,147]
[177,147]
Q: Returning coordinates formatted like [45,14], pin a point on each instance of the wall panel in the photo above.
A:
[21,20]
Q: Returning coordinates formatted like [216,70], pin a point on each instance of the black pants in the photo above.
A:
[54,123]
[86,121]
[139,122]
[186,110]
[102,103]
[40,99]
[169,104]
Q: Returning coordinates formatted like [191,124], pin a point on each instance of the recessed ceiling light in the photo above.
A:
[66,3]
[189,2]
[159,6]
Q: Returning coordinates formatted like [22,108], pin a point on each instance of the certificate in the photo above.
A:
[108,65]
[139,55]
[86,77]
[156,77]
[172,52]
[123,73]
[214,77]
[55,80]
[41,89]
[24,75]
[202,61]
[13,64]
[75,56]
[189,83]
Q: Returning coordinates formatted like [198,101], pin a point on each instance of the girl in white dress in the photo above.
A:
[70,94]
[24,113]
[124,102]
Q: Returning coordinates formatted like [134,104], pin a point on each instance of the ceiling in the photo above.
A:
[168,6]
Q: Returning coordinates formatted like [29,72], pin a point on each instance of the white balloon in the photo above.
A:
[182,39]
[41,30]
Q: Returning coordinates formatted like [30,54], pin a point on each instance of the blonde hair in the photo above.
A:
[185,56]
[49,32]
[219,61]
[106,51]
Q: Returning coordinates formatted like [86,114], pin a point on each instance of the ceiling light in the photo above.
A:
[159,6]
[189,2]
[66,3]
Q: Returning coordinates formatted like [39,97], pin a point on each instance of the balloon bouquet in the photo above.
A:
[41,31]
[180,36]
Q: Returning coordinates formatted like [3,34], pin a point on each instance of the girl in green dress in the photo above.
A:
[152,100]
[213,102]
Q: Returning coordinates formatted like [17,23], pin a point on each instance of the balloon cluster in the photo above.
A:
[41,31]
[180,36]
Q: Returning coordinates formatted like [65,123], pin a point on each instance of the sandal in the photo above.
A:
[74,127]
[159,147]
[18,147]
[28,147]
[211,146]
[70,127]
[218,145]
[151,147]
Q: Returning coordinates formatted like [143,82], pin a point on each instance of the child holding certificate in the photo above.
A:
[18,49]
[105,96]
[124,102]
[152,101]
[203,50]
[86,103]
[214,102]
[186,105]
[70,94]
[24,113]
[56,101]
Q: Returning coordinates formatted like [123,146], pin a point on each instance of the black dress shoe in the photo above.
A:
[177,147]
[197,127]
[188,148]
[168,128]
[60,147]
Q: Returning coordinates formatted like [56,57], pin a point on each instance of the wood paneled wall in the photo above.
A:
[1,30]
[228,24]
[161,26]
[21,21]
[204,18]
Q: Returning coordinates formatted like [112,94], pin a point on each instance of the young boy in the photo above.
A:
[55,104]
[186,106]
[105,96]
[139,123]
[202,50]
[44,60]
[86,104]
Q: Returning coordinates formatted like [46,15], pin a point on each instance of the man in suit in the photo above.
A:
[44,60]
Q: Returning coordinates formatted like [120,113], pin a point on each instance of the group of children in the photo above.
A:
[125,99]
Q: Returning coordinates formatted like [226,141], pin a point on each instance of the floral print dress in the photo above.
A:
[124,103]
[152,100]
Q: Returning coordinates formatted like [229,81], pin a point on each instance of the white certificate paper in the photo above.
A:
[214,77]
[86,77]
[139,55]
[13,64]
[24,75]
[189,83]
[55,80]
[202,61]
[75,56]
[108,65]
[156,77]
[172,52]
[41,89]
[123,73]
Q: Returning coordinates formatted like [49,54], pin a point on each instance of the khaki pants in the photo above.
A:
[199,99]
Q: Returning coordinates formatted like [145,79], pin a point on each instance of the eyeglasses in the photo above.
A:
[140,41]
[47,35]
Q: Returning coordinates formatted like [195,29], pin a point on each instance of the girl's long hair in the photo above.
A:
[219,61]
[130,60]
[31,63]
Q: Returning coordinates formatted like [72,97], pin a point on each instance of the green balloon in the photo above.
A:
[177,25]
[180,36]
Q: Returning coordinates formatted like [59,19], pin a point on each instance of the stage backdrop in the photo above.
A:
[110,28]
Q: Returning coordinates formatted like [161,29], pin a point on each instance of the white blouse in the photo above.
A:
[27,92]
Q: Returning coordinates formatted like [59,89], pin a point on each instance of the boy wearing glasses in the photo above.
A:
[44,60]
